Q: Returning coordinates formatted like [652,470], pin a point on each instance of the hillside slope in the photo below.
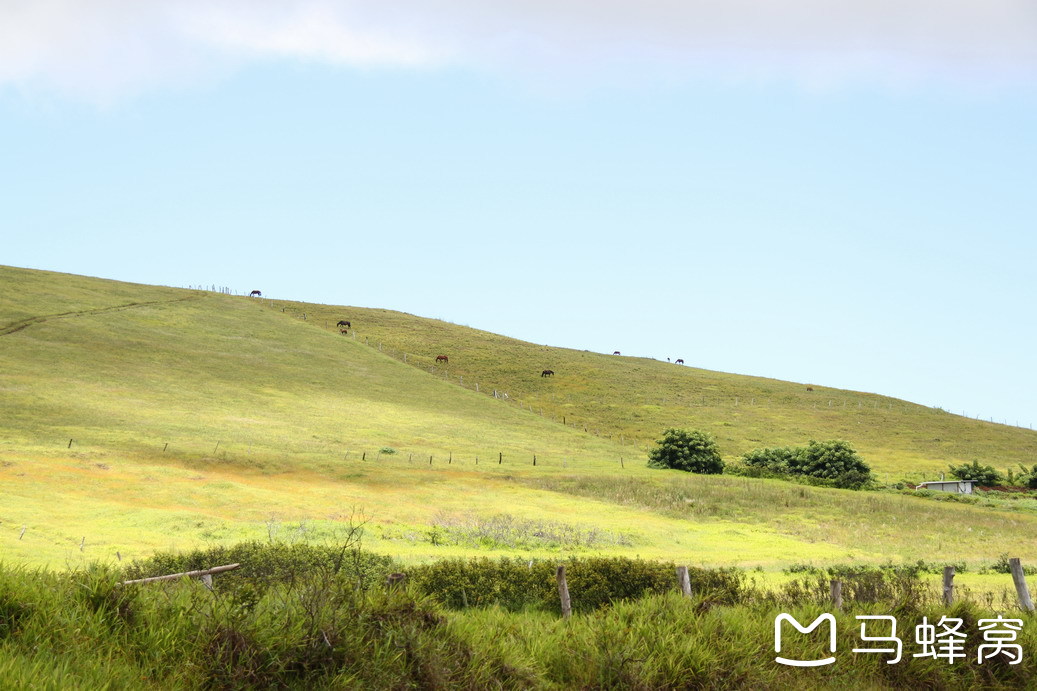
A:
[136,418]
[634,399]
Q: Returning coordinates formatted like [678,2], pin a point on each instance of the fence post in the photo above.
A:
[563,592]
[837,594]
[948,585]
[682,578]
[1019,577]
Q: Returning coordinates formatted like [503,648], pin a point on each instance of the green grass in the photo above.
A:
[634,399]
[319,627]
[200,419]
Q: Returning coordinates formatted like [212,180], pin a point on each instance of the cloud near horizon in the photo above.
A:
[107,48]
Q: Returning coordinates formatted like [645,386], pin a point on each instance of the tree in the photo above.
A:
[832,460]
[688,450]
[980,474]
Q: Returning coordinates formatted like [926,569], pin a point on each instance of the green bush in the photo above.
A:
[267,564]
[832,462]
[594,583]
[688,450]
[779,460]
[980,474]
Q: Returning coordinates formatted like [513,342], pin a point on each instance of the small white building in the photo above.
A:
[957,486]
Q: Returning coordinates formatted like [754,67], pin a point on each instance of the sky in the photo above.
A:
[834,193]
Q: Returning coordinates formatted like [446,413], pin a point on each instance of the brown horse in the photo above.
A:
[344,332]
[442,358]
[616,353]
[344,323]
[680,362]
[547,373]
[256,294]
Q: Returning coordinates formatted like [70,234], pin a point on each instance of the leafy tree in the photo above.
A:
[831,460]
[689,450]
[980,474]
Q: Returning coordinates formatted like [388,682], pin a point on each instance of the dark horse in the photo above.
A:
[616,353]
[442,358]
[680,362]
[344,323]
[547,373]
[256,294]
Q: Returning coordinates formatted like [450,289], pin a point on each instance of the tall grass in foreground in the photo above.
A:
[668,642]
[312,618]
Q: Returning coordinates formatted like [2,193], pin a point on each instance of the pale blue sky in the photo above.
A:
[855,218]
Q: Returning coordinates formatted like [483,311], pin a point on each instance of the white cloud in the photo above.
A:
[106,47]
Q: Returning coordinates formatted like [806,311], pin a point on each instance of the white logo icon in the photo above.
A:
[807,629]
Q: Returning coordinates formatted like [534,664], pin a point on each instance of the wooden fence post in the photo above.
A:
[563,592]
[837,594]
[948,585]
[1019,577]
[685,582]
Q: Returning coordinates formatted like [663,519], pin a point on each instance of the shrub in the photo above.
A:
[688,450]
[594,583]
[780,460]
[980,474]
[266,564]
[1027,477]
[833,462]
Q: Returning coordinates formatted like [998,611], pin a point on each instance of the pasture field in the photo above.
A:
[633,399]
[138,418]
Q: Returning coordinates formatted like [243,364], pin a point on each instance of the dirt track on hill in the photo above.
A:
[17,326]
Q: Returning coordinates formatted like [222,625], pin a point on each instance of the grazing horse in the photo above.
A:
[547,373]
[256,294]
[344,332]
[442,358]
[616,353]
[344,323]
[680,362]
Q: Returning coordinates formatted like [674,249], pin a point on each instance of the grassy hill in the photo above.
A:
[633,399]
[136,418]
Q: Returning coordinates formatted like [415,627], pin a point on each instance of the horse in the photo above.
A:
[442,358]
[547,373]
[344,332]
[256,294]
[679,361]
[616,353]
[344,323]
